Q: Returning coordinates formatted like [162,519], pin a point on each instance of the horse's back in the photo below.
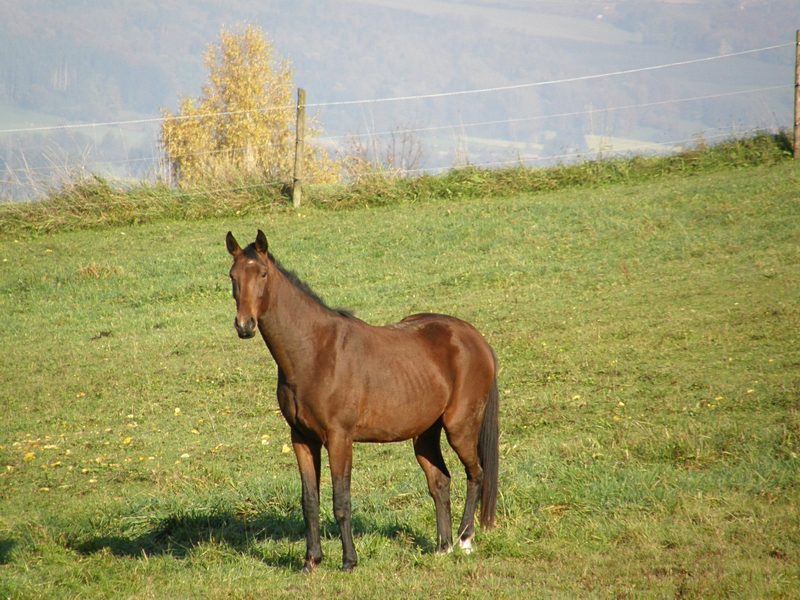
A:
[409,374]
[438,329]
[460,345]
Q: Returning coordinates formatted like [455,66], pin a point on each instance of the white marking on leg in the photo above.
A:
[465,545]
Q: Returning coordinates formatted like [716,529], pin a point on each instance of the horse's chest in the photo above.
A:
[287,402]
[298,413]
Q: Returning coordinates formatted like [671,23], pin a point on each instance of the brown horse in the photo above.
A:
[341,381]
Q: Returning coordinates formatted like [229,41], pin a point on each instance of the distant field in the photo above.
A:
[600,143]
[12,117]
[648,337]
[522,18]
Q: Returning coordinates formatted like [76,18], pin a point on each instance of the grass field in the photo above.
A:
[648,339]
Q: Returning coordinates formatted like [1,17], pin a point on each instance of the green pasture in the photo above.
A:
[648,338]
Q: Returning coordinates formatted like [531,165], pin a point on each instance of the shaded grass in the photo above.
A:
[648,340]
[93,203]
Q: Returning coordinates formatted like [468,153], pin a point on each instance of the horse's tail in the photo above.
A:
[488,453]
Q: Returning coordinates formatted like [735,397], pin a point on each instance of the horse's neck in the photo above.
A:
[288,322]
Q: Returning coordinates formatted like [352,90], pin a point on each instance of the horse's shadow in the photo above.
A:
[6,549]
[178,535]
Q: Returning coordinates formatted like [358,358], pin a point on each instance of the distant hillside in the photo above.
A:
[94,61]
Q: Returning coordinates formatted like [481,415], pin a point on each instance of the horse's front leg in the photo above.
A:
[308,461]
[340,455]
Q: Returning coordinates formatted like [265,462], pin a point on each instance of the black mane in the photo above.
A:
[295,280]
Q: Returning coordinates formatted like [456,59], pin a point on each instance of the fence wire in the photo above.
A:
[153,166]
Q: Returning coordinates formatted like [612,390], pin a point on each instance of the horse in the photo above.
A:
[341,380]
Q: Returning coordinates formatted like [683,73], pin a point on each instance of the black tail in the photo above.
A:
[488,453]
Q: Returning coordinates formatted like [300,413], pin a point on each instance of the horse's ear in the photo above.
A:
[232,245]
[261,242]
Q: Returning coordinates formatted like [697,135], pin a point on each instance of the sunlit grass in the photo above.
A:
[648,340]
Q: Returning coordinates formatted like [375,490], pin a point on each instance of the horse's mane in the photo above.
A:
[295,280]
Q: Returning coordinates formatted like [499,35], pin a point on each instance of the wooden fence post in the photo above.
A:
[299,150]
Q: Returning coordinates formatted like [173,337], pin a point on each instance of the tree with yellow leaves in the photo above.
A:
[242,124]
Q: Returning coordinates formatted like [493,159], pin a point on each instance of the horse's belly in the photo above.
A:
[395,420]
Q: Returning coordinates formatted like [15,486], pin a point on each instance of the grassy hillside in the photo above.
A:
[647,332]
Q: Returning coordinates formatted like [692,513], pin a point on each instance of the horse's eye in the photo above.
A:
[263,275]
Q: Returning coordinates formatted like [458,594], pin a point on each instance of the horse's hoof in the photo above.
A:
[347,567]
[308,567]
[465,545]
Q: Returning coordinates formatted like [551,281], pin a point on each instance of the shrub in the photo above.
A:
[241,126]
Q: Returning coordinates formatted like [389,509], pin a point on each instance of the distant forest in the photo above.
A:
[94,61]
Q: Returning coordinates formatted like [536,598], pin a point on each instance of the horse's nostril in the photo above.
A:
[246,329]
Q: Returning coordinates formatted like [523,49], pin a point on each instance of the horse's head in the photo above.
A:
[249,275]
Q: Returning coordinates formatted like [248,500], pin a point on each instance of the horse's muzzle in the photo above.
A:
[245,330]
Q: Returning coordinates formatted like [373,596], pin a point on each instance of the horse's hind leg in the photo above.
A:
[464,440]
[429,456]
